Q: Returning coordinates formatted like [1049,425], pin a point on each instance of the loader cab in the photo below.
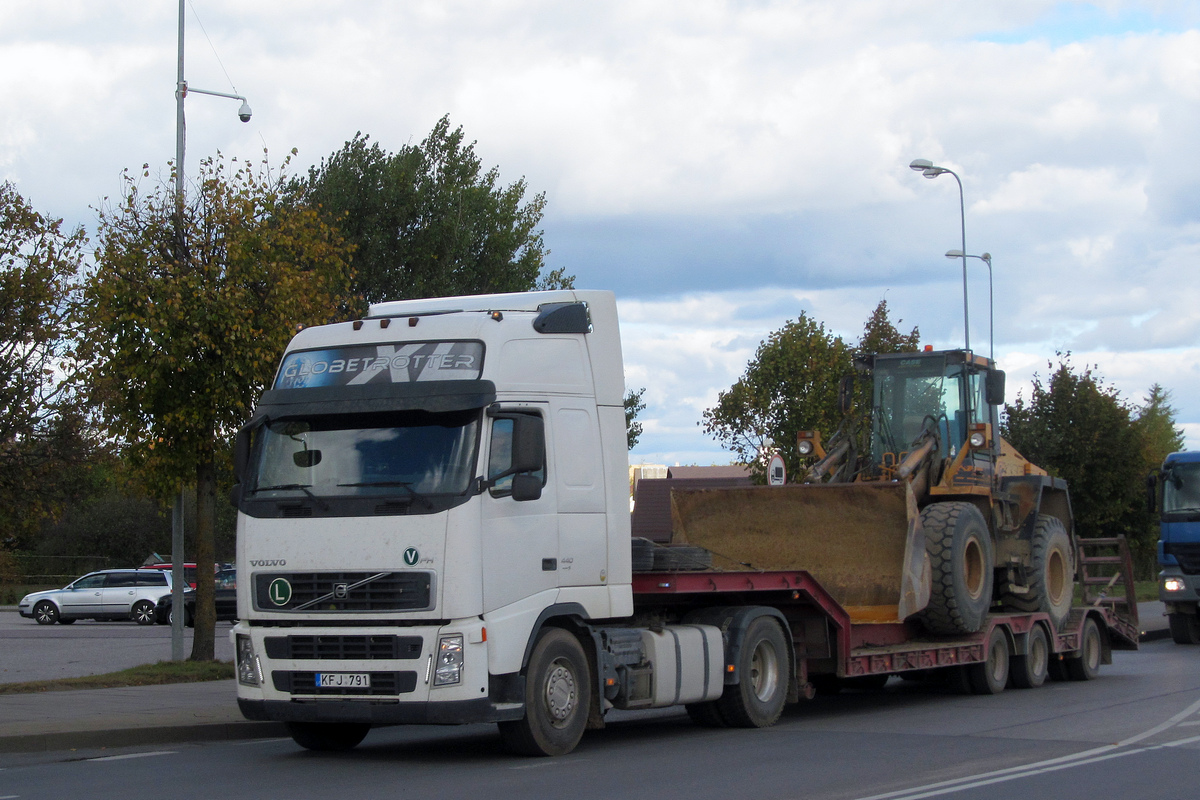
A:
[944,391]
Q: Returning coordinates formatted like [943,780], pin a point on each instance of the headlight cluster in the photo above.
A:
[248,669]
[449,660]
[1173,584]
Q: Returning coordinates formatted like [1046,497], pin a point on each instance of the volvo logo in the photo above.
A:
[340,590]
[278,562]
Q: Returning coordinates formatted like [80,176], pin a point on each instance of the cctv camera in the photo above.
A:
[244,112]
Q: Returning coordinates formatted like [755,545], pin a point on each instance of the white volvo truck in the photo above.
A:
[434,527]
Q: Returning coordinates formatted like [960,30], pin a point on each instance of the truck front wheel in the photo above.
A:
[557,697]
[328,736]
[1185,628]
[756,701]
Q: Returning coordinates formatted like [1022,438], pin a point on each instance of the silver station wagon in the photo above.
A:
[107,594]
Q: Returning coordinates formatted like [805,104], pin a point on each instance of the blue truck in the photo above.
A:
[1175,494]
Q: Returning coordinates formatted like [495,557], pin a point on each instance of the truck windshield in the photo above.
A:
[1181,489]
[407,455]
[911,393]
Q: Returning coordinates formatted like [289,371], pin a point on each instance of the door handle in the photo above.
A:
[549,564]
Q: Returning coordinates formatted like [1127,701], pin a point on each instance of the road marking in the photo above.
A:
[1051,765]
[133,755]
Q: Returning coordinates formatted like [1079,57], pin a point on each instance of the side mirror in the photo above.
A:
[994,387]
[846,394]
[528,445]
[526,487]
[306,459]
[235,495]
[241,452]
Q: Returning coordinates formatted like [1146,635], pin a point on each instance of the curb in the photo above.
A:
[127,737]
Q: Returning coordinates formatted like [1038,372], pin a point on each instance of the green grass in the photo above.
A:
[144,675]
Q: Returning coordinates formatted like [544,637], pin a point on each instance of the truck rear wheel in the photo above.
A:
[1029,671]
[1086,665]
[557,697]
[1185,628]
[757,700]
[1051,573]
[991,675]
[960,554]
[328,736]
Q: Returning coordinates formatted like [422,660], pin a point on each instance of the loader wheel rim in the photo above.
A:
[1056,577]
[764,671]
[973,568]
[560,693]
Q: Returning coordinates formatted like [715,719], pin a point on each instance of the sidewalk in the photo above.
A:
[189,712]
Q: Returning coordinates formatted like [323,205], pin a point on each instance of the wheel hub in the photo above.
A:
[560,692]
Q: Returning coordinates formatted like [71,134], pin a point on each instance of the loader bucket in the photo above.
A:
[863,542]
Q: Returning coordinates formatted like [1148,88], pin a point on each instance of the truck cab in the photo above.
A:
[1175,493]
[417,493]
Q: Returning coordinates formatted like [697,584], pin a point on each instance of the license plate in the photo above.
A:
[344,680]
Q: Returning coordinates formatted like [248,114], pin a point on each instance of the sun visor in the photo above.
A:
[432,396]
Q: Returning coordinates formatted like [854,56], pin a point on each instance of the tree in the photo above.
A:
[425,222]
[1156,424]
[1077,428]
[41,435]
[178,349]
[790,385]
[633,407]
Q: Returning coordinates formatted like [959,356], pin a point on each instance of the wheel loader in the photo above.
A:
[938,521]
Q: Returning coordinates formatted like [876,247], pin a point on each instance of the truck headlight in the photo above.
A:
[248,669]
[449,660]
[805,447]
[1173,585]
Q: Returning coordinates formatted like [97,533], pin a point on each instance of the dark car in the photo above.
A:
[225,598]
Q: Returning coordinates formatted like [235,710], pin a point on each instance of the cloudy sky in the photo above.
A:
[722,166]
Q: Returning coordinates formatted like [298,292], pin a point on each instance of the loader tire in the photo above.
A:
[1051,574]
[961,557]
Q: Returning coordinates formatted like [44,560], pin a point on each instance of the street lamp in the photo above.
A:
[987,259]
[177,573]
[931,171]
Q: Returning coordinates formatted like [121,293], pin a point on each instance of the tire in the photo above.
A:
[682,557]
[1051,574]
[1185,628]
[706,714]
[557,698]
[68,621]
[189,619]
[143,612]
[46,613]
[328,736]
[643,554]
[961,556]
[991,675]
[1086,665]
[757,700]
[1030,670]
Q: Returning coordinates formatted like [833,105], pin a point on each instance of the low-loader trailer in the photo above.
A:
[434,527]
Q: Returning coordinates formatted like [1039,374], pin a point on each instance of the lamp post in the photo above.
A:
[931,171]
[177,573]
[987,259]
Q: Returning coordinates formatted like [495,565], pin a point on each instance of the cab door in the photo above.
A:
[519,536]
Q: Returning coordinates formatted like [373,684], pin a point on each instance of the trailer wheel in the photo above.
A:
[1029,671]
[756,701]
[557,698]
[991,675]
[960,554]
[1051,574]
[706,714]
[328,736]
[1086,665]
[1185,628]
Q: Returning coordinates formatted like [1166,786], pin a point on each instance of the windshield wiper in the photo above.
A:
[283,487]
[405,485]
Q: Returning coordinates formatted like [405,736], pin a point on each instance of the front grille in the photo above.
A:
[343,591]
[343,648]
[382,683]
[1187,554]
